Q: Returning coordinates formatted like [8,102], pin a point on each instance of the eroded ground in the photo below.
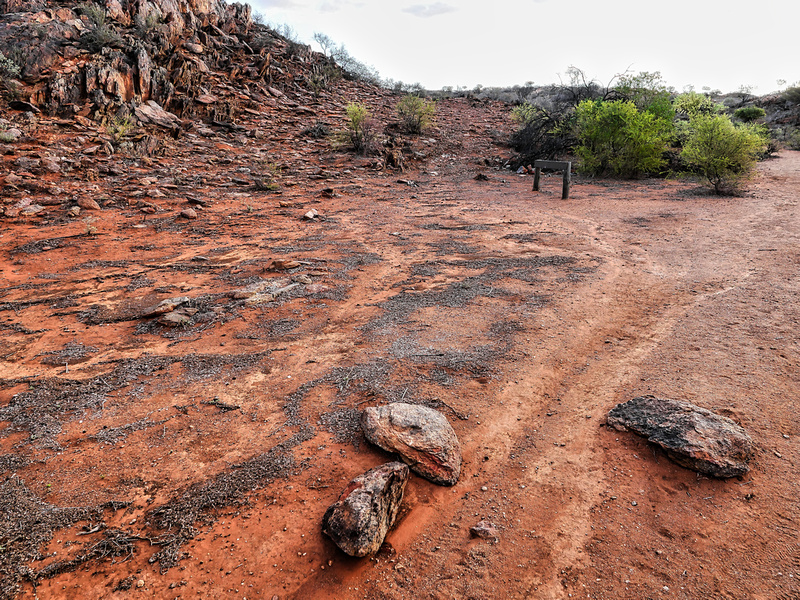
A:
[142,460]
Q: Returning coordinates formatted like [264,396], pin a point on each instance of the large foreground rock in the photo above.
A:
[421,436]
[366,509]
[693,437]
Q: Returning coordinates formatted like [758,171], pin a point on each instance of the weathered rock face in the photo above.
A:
[367,508]
[421,436]
[693,437]
[104,59]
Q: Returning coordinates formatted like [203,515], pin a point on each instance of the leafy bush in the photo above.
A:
[692,103]
[619,140]
[723,153]
[748,114]
[415,113]
[362,130]
[647,91]
[792,94]
[793,139]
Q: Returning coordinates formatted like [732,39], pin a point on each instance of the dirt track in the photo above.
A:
[524,318]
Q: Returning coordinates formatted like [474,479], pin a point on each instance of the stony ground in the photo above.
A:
[142,459]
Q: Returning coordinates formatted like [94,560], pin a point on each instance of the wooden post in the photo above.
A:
[558,165]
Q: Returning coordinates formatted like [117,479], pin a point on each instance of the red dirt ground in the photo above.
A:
[522,317]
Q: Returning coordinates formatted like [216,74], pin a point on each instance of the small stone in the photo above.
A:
[175,319]
[484,488]
[165,306]
[51,165]
[317,288]
[27,163]
[484,530]
[74,211]
[88,204]
[311,215]
[31,210]
[140,583]
[188,213]
[280,264]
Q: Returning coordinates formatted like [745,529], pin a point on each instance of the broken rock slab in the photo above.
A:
[422,437]
[367,508]
[693,437]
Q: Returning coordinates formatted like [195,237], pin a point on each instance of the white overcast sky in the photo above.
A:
[723,45]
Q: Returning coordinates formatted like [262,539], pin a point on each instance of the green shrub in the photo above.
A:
[619,140]
[647,91]
[416,113]
[362,130]
[792,94]
[119,127]
[793,140]
[748,114]
[692,103]
[723,153]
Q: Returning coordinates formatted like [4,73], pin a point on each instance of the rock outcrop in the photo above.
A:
[105,60]
[367,508]
[693,437]
[422,437]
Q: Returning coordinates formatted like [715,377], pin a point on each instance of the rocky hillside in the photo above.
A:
[130,60]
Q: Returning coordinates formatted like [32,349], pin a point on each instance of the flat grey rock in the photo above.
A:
[693,437]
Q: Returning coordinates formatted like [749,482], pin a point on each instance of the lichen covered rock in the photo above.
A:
[692,436]
[367,508]
[422,437]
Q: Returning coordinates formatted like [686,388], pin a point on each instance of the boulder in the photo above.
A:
[367,508]
[693,437]
[421,436]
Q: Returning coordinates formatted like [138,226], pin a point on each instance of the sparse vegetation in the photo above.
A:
[8,67]
[721,152]
[362,130]
[353,68]
[416,113]
[100,34]
[119,127]
[792,94]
